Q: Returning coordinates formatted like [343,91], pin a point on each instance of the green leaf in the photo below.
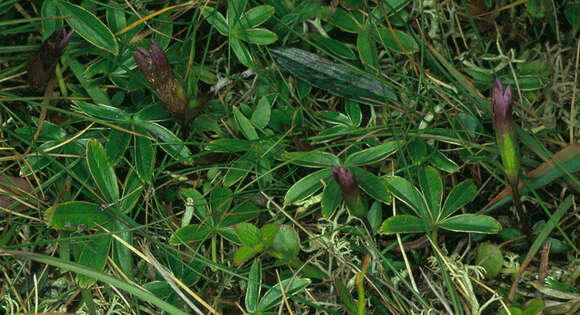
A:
[489,256]
[410,195]
[70,215]
[335,78]
[258,36]
[132,190]
[314,159]
[191,233]
[169,142]
[404,223]
[49,25]
[243,254]
[346,21]
[144,158]
[216,19]
[254,17]
[246,127]
[459,196]
[336,47]
[406,41]
[432,187]
[101,172]
[116,145]
[273,296]
[367,51]
[235,10]
[242,52]
[248,234]
[535,307]
[261,115]
[243,212]
[372,185]
[375,216]
[354,112]
[286,242]
[94,91]
[238,170]
[372,155]
[89,27]
[306,186]
[331,198]
[196,200]
[345,297]
[471,223]
[103,112]
[229,145]
[94,256]
[442,162]
[269,232]
[254,287]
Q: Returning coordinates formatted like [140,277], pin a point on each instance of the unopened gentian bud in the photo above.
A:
[505,131]
[350,191]
[41,64]
[156,69]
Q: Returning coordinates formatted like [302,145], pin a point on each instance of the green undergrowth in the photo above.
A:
[284,156]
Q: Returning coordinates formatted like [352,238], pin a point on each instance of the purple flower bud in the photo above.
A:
[505,132]
[351,193]
[157,70]
[41,64]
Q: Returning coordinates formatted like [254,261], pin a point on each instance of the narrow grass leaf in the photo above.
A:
[89,27]
[101,171]
[471,223]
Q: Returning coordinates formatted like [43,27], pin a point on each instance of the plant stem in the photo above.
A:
[524,219]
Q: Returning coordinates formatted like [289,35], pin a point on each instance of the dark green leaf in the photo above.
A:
[372,155]
[258,36]
[254,17]
[101,172]
[216,19]
[254,287]
[273,296]
[71,215]
[398,41]
[144,157]
[373,185]
[404,224]
[191,233]
[432,187]
[408,194]
[116,145]
[306,186]
[367,51]
[331,198]
[169,142]
[94,256]
[89,27]
[459,196]
[246,127]
[313,159]
[471,223]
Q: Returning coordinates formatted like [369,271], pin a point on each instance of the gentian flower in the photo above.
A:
[505,131]
[156,69]
[350,191]
[41,64]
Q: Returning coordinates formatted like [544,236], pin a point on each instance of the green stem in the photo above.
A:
[524,219]
[88,299]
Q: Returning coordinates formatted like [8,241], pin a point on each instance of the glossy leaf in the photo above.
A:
[471,223]
[89,27]
[71,215]
[404,223]
[101,171]
[306,186]
[372,155]
[459,196]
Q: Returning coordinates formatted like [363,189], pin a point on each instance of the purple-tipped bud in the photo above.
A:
[41,64]
[155,67]
[505,131]
[350,191]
